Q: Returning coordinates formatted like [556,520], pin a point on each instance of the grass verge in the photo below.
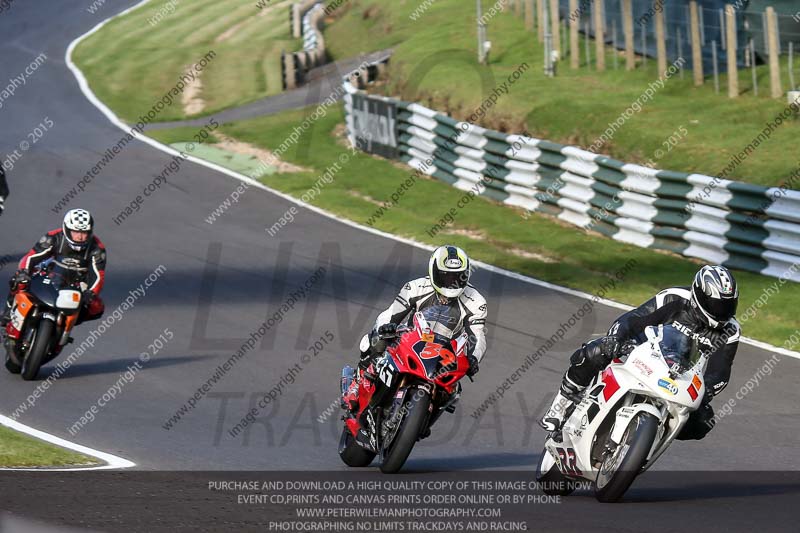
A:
[435,63]
[540,247]
[18,450]
[132,64]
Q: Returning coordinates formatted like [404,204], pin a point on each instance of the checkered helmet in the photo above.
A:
[78,220]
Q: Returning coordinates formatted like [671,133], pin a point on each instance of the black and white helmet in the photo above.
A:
[715,295]
[449,271]
[78,220]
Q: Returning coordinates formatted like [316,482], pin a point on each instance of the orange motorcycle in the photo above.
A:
[42,317]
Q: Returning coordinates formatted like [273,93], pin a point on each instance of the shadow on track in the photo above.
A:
[116,366]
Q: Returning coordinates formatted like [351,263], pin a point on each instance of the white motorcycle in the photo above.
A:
[627,418]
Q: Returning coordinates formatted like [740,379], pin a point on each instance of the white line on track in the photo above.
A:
[112,461]
[84,85]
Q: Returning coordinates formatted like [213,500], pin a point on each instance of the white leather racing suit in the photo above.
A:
[467,312]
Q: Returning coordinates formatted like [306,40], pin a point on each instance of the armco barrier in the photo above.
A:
[743,226]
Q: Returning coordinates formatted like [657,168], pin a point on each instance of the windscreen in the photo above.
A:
[441,321]
[676,346]
[61,275]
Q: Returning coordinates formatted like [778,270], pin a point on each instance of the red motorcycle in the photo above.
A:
[416,380]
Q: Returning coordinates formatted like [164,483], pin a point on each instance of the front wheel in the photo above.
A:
[351,453]
[550,478]
[38,350]
[414,419]
[621,466]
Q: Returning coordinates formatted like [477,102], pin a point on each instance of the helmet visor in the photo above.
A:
[722,309]
[450,280]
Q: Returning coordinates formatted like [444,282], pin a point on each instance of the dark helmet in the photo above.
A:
[715,295]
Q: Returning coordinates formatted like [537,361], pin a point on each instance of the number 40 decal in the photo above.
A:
[568,462]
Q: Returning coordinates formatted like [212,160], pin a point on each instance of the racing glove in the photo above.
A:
[387,331]
[473,366]
[21,277]
[86,298]
[610,346]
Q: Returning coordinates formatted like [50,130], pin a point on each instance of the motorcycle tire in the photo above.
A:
[550,479]
[635,446]
[11,366]
[351,453]
[412,424]
[41,345]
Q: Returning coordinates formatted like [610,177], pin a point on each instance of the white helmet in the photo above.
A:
[78,220]
[449,271]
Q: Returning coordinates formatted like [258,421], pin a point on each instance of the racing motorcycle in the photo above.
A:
[628,417]
[417,379]
[42,317]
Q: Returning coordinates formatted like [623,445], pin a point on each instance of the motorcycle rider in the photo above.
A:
[447,284]
[75,245]
[3,190]
[705,311]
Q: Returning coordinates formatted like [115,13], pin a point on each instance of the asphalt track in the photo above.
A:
[223,280]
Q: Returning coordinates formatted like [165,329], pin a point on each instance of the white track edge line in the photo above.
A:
[112,461]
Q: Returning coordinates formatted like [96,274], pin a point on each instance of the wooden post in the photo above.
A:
[627,27]
[751,52]
[730,43]
[540,18]
[529,15]
[697,50]
[775,86]
[555,27]
[715,63]
[661,43]
[518,8]
[599,37]
[790,66]
[574,51]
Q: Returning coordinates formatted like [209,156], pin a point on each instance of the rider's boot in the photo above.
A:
[362,371]
[448,406]
[5,317]
[567,396]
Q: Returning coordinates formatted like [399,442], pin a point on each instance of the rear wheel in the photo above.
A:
[351,453]
[550,478]
[621,466]
[39,348]
[411,425]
